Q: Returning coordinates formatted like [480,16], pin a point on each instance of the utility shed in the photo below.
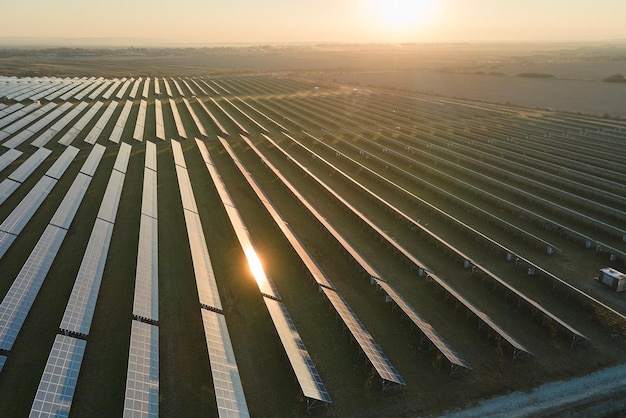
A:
[612,278]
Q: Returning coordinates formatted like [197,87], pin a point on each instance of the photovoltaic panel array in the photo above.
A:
[20,297]
[107,94]
[203,269]
[23,121]
[160,127]
[372,351]
[146,300]
[389,376]
[142,379]
[433,336]
[180,128]
[51,132]
[3,360]
[309,379]
[146,89]
[195,117]
[135,88]
[141,121]
[58,382]
[168,89]
[177,87]
[231,401]
[157,87]
[82,303]
[306,373]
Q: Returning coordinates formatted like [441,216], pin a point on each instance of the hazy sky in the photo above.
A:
[261,21]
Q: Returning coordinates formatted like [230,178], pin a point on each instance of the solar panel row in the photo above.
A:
[203,269]
[10,119]
[177,87]
[160,127]
[168,90]
[246,115]
[58,382]
[82,302]
[157,87]
[146,89]
[91,87]
[21,295]
[306,373]
[388,374]
[142,379]
[195,118]
[231,400]
[25,120]
[135,89]
[141,121]
[180,128]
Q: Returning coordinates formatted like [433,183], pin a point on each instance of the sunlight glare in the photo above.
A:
[256,268]
[401,14]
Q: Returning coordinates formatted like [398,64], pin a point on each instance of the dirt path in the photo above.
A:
[602,393]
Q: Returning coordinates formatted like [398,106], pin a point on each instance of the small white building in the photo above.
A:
[612,278]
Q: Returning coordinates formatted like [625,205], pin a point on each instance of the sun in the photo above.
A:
[401,14]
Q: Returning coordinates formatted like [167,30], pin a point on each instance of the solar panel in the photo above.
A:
[141,121]
[27,167]
[19,217]
[372,351]
[135,88]
[195,118]
[58,382]
[124,88]
[3,360]
[203,269]
[231,401]
[82,303]
[116,135]
[301,362]
[20,297]
[157,87]
[43,139]
[146,302]
[151,160]
[111,198]
[179,157]
[142,380]
[67,209]
[168,90]
[180,128]
[146,88]
[149,198]
[100,89]
[91,164]
[8,157]
[160,127]
[186,192]
[61,164]
[123,155]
